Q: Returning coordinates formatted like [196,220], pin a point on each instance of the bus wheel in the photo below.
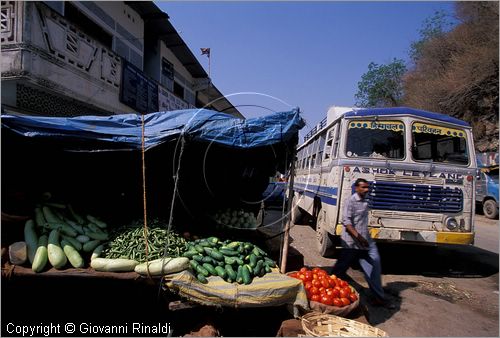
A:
[490,209]
[296,214]
[323,241]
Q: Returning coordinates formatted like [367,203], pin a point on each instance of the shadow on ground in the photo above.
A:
[437,261]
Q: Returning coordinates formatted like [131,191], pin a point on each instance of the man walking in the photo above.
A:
[357,243]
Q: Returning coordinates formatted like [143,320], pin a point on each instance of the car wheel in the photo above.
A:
[490,209]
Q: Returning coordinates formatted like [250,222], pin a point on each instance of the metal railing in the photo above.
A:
[315,130]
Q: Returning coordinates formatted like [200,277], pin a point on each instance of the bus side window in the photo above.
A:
[329,144]
[314,150]
[336,139]
[321,146]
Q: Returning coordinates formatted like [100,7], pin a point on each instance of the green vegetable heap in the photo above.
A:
[128,242]
[236,262]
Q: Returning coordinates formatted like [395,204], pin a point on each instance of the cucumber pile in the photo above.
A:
[59,235]
[234,262]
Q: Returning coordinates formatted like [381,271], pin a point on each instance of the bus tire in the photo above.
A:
[323,241]
[490,208]
[297,214]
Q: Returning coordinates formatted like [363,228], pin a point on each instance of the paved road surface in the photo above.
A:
[445,291]
[487,236]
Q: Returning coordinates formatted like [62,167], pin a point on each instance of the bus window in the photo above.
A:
[375,139]
[314,150]
[335,139]
[321,146]
[439,144]
[329,143]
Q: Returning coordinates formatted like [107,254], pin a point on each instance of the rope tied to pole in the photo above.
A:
[145,230]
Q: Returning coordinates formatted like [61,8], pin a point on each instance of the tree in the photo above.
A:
[432,27]
[381,85]
[456,72]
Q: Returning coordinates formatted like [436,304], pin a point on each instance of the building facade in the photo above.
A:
[62,58]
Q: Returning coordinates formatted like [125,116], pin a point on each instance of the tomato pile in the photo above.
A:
[322,288]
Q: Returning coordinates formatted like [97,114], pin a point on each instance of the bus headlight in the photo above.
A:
[451,223]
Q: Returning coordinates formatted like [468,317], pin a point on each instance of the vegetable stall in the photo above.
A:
[173,194]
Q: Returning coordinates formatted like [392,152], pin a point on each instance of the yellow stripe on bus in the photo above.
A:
[454,237]
[374,232]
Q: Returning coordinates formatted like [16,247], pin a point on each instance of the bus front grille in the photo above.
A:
[414,197]
[409,179]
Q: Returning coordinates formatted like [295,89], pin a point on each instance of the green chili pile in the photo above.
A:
[128,242]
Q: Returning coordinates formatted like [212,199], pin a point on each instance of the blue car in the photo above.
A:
[487,188]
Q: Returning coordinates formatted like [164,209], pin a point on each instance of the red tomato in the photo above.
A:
[333,277]
[315,276]
[326,300]
[338,283]
[325,283]
[335,293]
[347,290]
[329,291]
[337,302]
[315,270]
[314,290]
[343,294]
[353,297]
[316,298]
[322,290]
[343,284]
[345,301]
[293,275]
[316,283]
[307,285]
[322,273]
[304,269]
[337,288]
[309,275]
[301,277]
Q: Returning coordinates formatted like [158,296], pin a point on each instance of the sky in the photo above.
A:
[272,56]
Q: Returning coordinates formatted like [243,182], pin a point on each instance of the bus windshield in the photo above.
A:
[439,144]
[376,139]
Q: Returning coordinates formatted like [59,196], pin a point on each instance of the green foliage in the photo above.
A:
[432,27]
[381,85]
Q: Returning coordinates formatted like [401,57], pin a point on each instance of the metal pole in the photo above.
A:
[209,57]
[288,216]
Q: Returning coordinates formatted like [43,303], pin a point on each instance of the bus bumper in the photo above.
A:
[440,237]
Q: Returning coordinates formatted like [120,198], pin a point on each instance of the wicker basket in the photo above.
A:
[317,324]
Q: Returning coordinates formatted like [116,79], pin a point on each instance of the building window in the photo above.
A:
[167,74]
[178,90]
[167,69]
[86,25]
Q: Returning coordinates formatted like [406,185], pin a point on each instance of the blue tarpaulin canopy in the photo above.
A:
[124,132]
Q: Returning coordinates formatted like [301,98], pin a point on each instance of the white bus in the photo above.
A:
[420,166]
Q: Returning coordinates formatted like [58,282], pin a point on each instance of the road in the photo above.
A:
[444,291]
[487,233]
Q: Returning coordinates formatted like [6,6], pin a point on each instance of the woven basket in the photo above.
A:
[317,324]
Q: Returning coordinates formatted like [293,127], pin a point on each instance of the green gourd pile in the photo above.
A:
[235,262]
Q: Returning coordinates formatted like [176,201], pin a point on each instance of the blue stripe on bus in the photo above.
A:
[324,199]
[327,194]
[320,189]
